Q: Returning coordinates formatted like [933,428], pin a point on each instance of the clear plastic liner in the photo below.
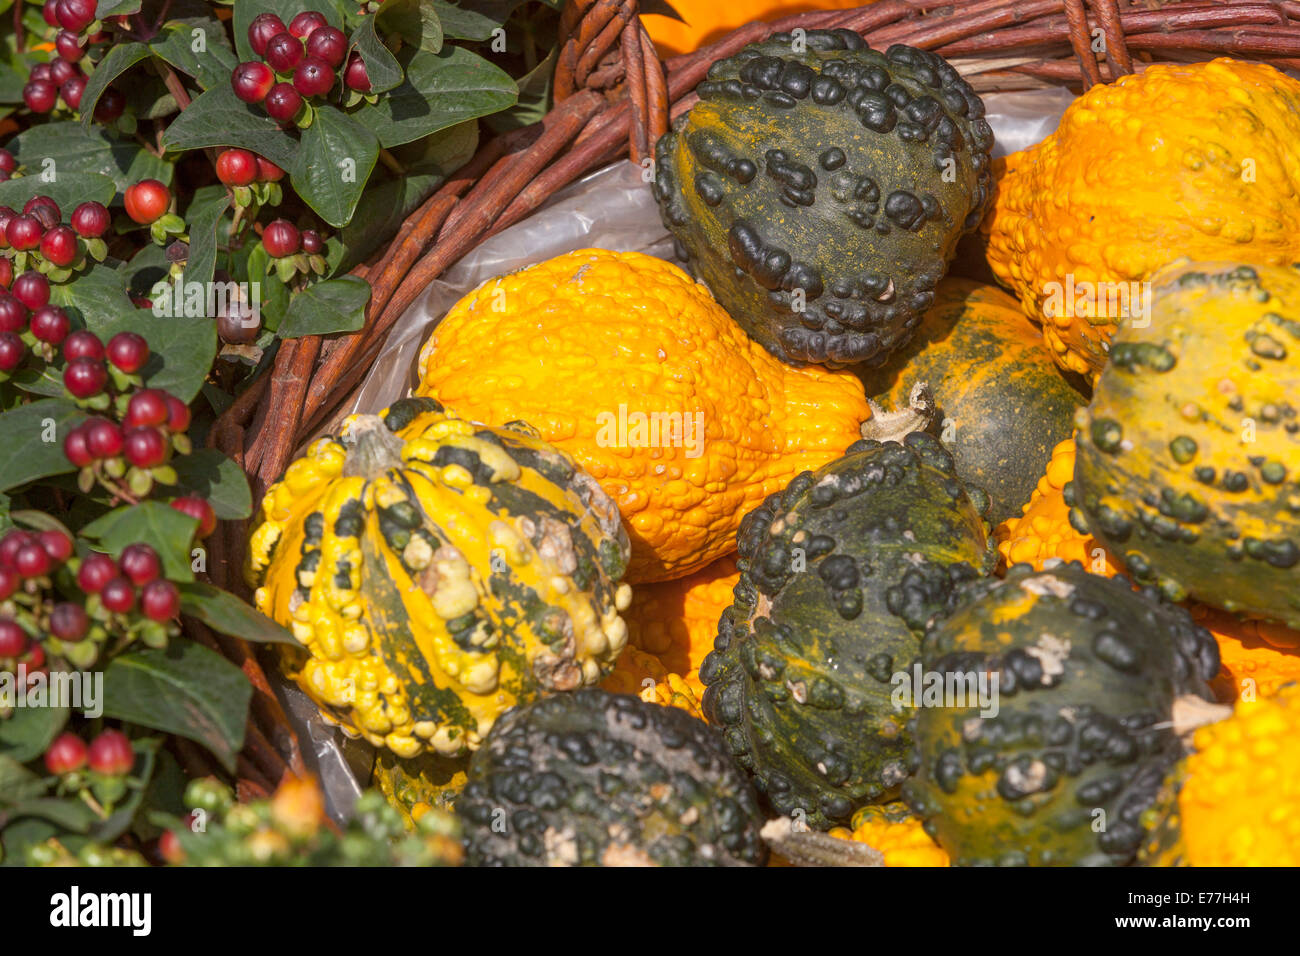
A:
[612,208]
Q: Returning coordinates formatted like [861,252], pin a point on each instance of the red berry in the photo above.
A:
[35,659]
[85,377]
[75,15]
[117,595]
[38,202]
[283,52]
[32,561]
[76,448]
[140,563]
[160,600]
[48,12]
[59,246]
[260,31]
[40,95]
[111,105]
[96,571]
[111,754]
[252,80]
[145,447]
[31,289]
[13,639]
[312,243]
[267,171]
[13,314]
[56,544]
[6,272]
[40,73]
[281,239]
[128,351]
[305,23]
[10,545]
[68,45]
[147,201]
[91,220]
[68,622]
[8,585]
[50,324]
[355,76]
[7,162]
[169,846]
[61,71]
[313,77]
[283,103]
[146,407]
[104,439]
[68,752]
[328,44]
[200,510]
[12,351]
[178,415]
[236,167]
[72,91]
[24,232]
[82,344]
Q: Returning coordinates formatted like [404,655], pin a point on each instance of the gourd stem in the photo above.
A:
[804,847]
[897,425]
[1191,713]
[373,449]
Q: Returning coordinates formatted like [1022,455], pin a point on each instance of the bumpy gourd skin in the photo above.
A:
[572,339]
[1188,463]
[593,778]
[1195,159]
[1239,791]
[820,194]
[1089,674]
[1001,403]
[1042,533]
[438,573]
[896,833]
[800,680]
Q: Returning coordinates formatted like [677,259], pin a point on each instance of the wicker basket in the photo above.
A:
[614,97]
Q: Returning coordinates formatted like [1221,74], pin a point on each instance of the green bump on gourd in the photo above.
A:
[819,188]
[1191,474]
[801,677]
[1095,683]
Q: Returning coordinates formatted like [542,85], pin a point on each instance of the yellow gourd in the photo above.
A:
[628,365]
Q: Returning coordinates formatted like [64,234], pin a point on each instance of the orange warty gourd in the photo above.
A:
[1256,657]
[1194,159]
[707,21]
[896,833]
[624,362]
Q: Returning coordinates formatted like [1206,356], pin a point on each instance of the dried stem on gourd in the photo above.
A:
[897,425]
[804,847]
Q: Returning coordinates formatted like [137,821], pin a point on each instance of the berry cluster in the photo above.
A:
[298,63]
[8,165]
[39,240]
[57,605]
[282,239]
[240,167]
[63,78]
[98,774]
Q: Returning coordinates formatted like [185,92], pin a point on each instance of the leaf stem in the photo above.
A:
[389,160]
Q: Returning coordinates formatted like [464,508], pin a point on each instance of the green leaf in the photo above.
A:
[335,11]
[225,613]
[211,475]
[17,783]
[440,90]
[330,170]
[534,98]
[120,58]
[76,151]
[382,67]
[117,8]
[169,532]
[181,348]
[219,118]
[95,297]
[206,209]
[43,380]
[464,24]
[33,437]
[65,813]
[28,731]
[67,190]
[415,21]
[186,690]
[335,305]
[213,65]
[386,204]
